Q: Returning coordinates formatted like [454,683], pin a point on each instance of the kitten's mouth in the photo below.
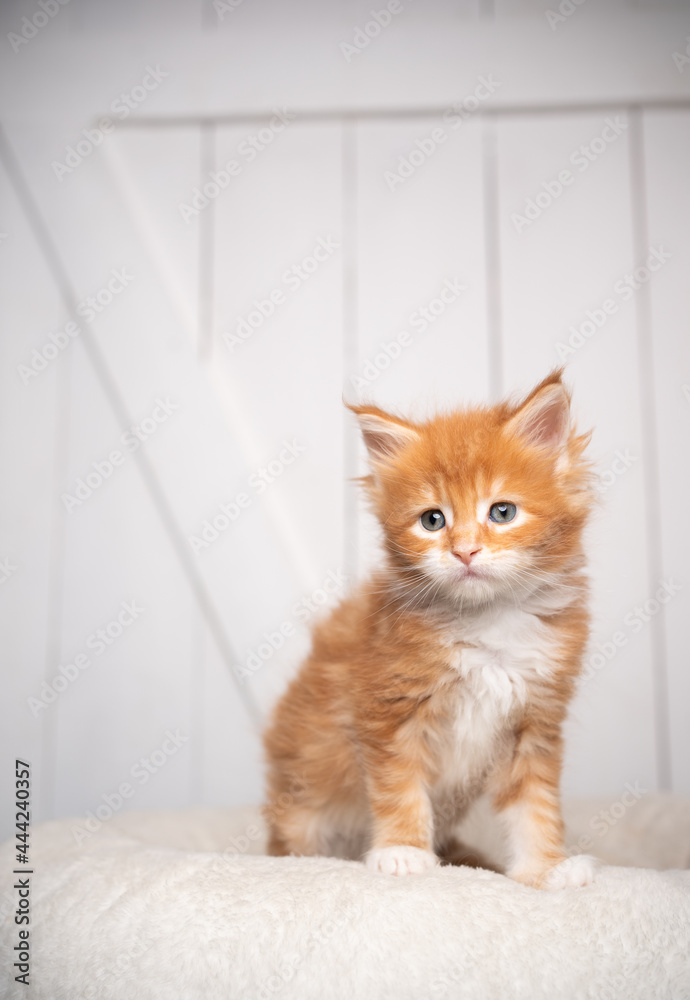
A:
[473,583]
[472,573]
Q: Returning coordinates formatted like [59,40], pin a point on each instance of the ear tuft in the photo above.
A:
[543,420]
[383,434]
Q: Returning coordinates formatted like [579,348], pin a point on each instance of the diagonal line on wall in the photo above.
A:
[206,247]
[213,367]
[111,392]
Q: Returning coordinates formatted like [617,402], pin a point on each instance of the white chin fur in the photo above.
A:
[400,860]
[475,591]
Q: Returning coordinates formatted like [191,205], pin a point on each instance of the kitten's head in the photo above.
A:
[481,502]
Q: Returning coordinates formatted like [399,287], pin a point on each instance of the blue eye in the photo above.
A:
[432,520]
[502,512]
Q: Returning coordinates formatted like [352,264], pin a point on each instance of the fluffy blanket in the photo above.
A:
[183,906]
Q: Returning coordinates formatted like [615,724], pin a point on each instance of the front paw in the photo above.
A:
[574,872]
[400,860]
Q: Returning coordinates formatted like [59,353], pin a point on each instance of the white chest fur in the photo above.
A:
[496,654]
[499,652]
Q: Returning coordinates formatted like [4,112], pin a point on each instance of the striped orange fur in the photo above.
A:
[449,672]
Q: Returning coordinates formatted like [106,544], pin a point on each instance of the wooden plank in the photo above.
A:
[229,766]
[420,243]
[126,608]
[153,171]
[30,434]
[552,18]
[421,328]
[277,360]
[666,165]
[182,472]
[558,272]
[419,59]
[232,417]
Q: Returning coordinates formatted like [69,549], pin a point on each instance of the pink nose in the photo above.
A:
[466,556]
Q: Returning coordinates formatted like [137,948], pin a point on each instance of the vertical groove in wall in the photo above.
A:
[114,398]
[56,587]
[207,220]
[209,17]
[492,252]
[647,395]
[198,669]
[350,341]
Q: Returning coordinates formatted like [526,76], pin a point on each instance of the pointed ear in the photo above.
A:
[543,420]
[383,435]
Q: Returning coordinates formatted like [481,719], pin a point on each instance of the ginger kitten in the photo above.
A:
[448,674]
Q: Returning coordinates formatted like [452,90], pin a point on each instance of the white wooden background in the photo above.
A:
[322,178]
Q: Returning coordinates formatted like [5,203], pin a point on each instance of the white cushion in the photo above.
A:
[159,906]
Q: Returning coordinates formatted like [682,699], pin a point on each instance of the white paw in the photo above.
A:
[400,860]
[576,871]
